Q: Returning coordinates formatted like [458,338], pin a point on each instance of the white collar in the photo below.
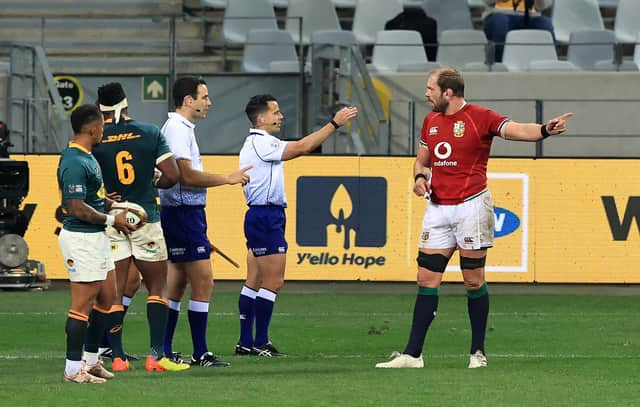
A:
[261,132]
[176,115]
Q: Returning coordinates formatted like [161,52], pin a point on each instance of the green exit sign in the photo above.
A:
[154,88]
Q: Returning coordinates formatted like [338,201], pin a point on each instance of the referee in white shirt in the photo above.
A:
[184,220]
[264,222]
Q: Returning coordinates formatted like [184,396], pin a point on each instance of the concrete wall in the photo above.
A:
[606,108]
[4,86]
[226,125]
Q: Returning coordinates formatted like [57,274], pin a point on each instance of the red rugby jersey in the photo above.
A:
[459,146]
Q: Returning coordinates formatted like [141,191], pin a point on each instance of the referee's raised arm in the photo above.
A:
[265,219]
[309,143]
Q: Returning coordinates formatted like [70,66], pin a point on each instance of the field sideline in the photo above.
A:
[547,345]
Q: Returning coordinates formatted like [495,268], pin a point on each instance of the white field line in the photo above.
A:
[521,356]
[372,314]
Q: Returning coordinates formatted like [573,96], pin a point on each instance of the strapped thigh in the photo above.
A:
[470,263]
[433,262]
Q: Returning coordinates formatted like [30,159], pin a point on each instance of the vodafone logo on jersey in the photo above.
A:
[443,151]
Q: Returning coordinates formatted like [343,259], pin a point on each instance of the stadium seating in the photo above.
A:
[608,3]
[399,51]
[280,3]
[412,3]
[21,30]
[464,49]
[221,4]
[626,23]
[592,50]
[370,17]
[329,37]
[450,14]
[316,15]
[526,50]
[90,8]
[345,3]
[134,65]
[575,15]
[139,34]
[477,3]
[341,37]
[636,52]
[75,36]
[242,16]
[269,51]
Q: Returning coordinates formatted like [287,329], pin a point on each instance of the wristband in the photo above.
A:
[544,132]
[420,175]
[334,124]
[157,174]
[109,220]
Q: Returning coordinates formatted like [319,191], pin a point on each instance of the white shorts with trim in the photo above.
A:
[87,256]
[468,225]
[146,243]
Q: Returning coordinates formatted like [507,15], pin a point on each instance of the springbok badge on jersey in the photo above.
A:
[458,129]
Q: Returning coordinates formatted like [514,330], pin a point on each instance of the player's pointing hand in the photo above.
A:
[558,125]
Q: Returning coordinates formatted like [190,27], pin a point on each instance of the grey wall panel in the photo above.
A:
[226,125]
[606,107]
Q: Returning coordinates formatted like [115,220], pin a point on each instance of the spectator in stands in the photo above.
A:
[506,15]
[415,18]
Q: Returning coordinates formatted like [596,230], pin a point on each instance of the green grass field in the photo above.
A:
[562,349]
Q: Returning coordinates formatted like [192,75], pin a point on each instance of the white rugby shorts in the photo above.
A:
[467,225]
[146,244]
[87,256]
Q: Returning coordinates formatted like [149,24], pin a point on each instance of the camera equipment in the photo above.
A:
[4,140]
[16,269]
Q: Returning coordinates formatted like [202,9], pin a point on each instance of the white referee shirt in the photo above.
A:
[264,152]
[181,138]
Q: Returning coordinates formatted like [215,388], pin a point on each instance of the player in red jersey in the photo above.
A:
[451,171]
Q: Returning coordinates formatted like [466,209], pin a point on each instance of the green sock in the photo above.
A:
[157,317]
[114,330]
[76,329]
[424,312]
[478,308]
[97,322]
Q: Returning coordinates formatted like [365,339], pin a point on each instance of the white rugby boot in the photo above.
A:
[82,376]
[402,360]
[477,359]
[98,370]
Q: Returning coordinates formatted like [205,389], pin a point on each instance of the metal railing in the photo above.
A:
[606,137]
[35,114]
[340,77]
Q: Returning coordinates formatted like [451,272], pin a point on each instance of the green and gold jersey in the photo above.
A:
[128,154]
[79,177]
